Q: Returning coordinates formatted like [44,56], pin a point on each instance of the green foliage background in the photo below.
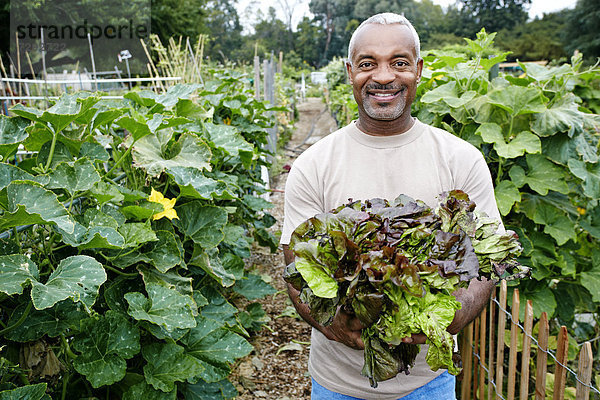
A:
[114,302]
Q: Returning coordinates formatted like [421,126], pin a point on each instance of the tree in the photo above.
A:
[540,39]
[177,18]
[582,29]
[334,17]
[309,41]
[272,33]
[222,24]
[493,15]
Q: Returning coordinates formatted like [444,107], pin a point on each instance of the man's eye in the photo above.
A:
[365,64]
[400,63]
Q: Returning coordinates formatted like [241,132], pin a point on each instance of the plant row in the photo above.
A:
[127,226]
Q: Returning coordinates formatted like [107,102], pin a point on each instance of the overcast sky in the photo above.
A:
[537,8]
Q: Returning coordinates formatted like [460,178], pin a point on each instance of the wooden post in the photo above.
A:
[512,355]
[526,354]
[584,372]
[467,359]
[492,328]
[477,351]
[280,64]
[256,77]
[482,333]
[542,358]
[500,341]
[560,372]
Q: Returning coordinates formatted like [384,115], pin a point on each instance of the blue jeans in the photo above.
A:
[441,388]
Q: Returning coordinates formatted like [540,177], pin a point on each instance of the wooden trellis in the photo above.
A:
[487,374]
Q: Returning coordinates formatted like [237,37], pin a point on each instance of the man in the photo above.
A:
[385,153]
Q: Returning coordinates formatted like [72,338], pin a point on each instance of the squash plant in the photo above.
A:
[541,143]
[125,235]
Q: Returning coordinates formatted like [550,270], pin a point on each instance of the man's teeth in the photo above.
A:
[384,94]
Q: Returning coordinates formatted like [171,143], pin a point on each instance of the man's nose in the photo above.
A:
[383,74]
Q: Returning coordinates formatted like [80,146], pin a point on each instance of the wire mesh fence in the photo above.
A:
[508,362]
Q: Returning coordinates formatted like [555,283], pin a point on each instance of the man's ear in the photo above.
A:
[419,69]
[349,71]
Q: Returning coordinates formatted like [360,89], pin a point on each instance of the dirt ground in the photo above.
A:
[277,368]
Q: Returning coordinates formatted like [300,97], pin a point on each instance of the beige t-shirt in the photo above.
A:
[422,163]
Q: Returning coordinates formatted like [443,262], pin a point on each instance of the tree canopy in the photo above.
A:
[318,38]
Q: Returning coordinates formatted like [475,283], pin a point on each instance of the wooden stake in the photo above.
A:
[514,336]
[542,358]
[477,350]
[500,341]
[467,359]
[560,372]
[492,328]
[482,335]
[526,354]
[584,372]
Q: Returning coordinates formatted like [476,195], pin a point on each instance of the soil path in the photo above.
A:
[277,368]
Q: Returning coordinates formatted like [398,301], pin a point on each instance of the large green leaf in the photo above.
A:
[142,390]
[201,390]
[172,280]
[77,277]
[253,287]
[524,142]
[167,363]
[542,175]
[218,308]
[68,108]
[227,138]
[191,152]
[94,237]
[135,124]
[591,280]
[210,262]
[104,192]
[562,116]
[555,220]
[517,100]
[51,321]
[29,392]
[203,224]
[543,300]
[441,93]
[16,271]
[136,233]
[105,342]
[93,152]
[193,183]
[174,93]
[164,307]
[215,347]
[507,194]
[165,253]
[29,203]
[12,132]
[75,177]
[589,174]
[9,173]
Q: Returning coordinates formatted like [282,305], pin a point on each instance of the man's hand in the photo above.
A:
[345,328]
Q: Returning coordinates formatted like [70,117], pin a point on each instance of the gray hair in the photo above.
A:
[385,19]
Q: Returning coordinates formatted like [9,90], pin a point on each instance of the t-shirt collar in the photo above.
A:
[381,142]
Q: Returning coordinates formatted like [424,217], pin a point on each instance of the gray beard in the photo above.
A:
[386,113]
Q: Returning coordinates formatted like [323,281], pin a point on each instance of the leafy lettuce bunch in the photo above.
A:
[395,266]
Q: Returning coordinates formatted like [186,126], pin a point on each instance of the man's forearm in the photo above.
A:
[473,300]
[302,308]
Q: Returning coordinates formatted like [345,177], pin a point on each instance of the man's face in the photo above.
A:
[384,72]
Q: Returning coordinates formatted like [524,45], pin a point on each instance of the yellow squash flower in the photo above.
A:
[168,204]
